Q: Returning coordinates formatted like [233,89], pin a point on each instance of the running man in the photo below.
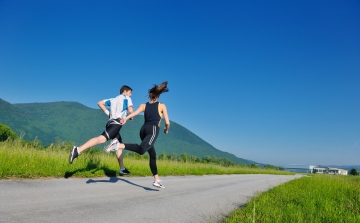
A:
[104,104]
[120,107]
[153,112]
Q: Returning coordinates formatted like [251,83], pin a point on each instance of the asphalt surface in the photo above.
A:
[130,199]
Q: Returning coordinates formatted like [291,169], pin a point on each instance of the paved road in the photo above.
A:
[130,199]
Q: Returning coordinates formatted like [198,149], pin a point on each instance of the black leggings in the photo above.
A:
[148,135]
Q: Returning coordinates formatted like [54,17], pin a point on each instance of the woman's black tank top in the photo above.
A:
[151,114]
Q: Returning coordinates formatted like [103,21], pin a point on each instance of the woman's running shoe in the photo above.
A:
[158,183]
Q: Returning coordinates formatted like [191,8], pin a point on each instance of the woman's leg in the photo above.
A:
[157,182]
[152,152]
[148,135]
[152,162]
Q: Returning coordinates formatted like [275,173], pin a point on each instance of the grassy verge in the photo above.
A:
[319,198]
[19,160]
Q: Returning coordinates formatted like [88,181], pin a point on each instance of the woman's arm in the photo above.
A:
[135,113]
[131,110]
[166,118]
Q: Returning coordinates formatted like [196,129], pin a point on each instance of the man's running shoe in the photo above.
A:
[158,183]
[124,172]
[113,146]
[73,154]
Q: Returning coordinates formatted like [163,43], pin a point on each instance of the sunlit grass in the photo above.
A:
[318,198]
[19,160]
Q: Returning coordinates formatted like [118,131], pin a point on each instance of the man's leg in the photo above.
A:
[75,151]
[92,142]
[123,170]
[119,154]
[121,161]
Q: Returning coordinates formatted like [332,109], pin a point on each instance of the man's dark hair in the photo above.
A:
[125,88]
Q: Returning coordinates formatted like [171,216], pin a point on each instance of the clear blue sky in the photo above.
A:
[277,82]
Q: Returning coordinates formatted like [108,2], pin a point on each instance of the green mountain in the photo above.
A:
[72,121]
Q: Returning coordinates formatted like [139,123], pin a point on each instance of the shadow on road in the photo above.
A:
[116,179]
[92,166]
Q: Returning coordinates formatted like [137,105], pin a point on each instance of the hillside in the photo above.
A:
[72,121]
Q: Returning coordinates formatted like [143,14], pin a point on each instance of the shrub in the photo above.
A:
[6,133]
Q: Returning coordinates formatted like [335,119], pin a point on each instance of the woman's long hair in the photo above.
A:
[155,91]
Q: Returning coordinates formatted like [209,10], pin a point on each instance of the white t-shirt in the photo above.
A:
[118,106]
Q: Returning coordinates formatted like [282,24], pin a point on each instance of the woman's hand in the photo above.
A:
[166,128]
[123,121]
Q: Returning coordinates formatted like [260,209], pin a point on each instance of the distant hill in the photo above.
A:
[72,121]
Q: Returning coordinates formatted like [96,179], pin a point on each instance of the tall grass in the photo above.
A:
[26,160]
[319,198]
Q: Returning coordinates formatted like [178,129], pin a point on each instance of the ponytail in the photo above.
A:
[156,90]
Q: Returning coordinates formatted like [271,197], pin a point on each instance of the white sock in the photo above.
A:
[77,150]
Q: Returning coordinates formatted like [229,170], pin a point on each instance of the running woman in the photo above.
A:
[119,108]
[153,112]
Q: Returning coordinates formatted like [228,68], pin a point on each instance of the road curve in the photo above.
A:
[130,199]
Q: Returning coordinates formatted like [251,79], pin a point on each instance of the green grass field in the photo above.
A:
[19,160]
[317,198]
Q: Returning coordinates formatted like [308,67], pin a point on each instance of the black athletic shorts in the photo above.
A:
[112,130]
